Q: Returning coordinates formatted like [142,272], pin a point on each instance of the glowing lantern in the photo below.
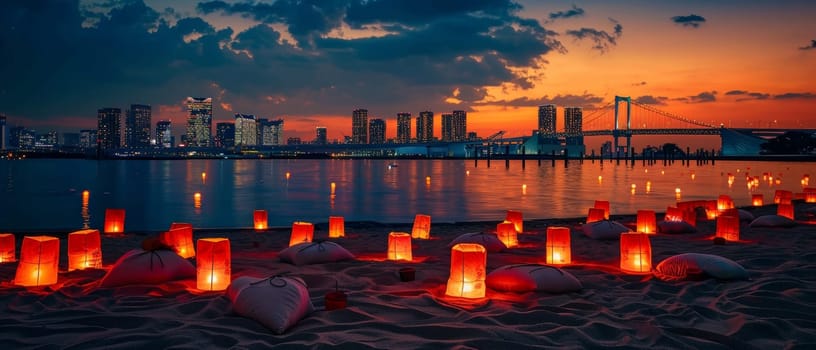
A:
[636,253]
[677,193]
[756,200]
[690,216]
[646,221]
[724,202]
[399,246]
[467,273]
[213,271]
[114,221]
[39,261]
[673,214]
[7,248]
[711,209]
[595,214]
[728,227]
[559,248]
[507,234]
[783,197]
[181,239]
[84,250]
[785,210]
[516,218]
[337,227]
[810,195]
[422,227]
[603,205]
[301,232]
[260,219]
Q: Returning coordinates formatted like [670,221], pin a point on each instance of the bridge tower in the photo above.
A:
[617,132]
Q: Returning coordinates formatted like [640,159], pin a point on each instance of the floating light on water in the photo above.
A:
[523,188]
[600,179]
[288,175]
[203,176]
[467,172]
[648,186]
[693,176]
[677,193]
[805,180]
[197,200]
[333,187]
[633,188]
[427,180]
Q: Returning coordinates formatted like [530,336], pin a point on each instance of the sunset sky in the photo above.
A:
[743,64]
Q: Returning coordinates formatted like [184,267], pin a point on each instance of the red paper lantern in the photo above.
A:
[467,272]
[516,218]
[507,234]
[646,221]
[724,202]
[810,195]
[756,200]
[783,197]
[213,264]
[785,210]
[84,250]
[422,227]
[181,239]
[7,248]
[399,246]
[636,253]
[690,216]
[559,247]
[673,214]
[603,205]
[260,219]
[728,227]
[595,214]
[39,261]
[114,221]
[301,232]
[337,227]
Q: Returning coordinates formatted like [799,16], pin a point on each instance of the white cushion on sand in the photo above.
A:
[490,241]
[696,266]
[675,227]
[140,266]
[532,278]
[307,253]
[276,302]
[604,229]
[772,221]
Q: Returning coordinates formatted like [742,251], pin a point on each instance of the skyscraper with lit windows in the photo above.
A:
[321,135]
[108,128]
[447,127]
[403,127]
[199,122]
[459,126]
[164,137]
[137,126]
[3,133]
[359,126]
[424,126]
[573,119]
[376,131]
[225,135]
[546,119]
[246,133]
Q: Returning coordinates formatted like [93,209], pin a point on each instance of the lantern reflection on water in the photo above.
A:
[39,261]
[213,264]
[467,271]
[559,247]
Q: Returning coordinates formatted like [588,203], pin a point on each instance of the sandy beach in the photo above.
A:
[772,310]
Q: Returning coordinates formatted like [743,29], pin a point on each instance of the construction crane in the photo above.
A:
[499,134]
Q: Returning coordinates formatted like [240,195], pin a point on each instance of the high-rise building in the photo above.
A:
[321,137]
[108,121]
[573,119]
[46,141]
[164,135]
[70,139]
[199,121]
[376,131]
[403,127]
[137,126]
[3,133]
[424,127]
[246,130]
[225,135]
[271,132]
[23,138]
[447,127]
[459,126]
[359,126]
[546,120]
[87,138]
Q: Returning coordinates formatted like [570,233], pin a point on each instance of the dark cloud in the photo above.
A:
[706,96]
[743,95]
[602,40]
[692,20]
[809,47]
[651,100]
[575,11]
[795,96]
[586,100]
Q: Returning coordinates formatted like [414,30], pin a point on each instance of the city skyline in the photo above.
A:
[496,60]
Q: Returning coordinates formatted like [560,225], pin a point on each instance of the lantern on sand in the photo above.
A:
[595,214]
[673,214]
[213,264]
[259,219]
[559,248]
[301,232]
[757,200]
[507,234]
[114,221]
[785,210]
[467,272]
[646,221]
[810,195]
[516,218]
[337,227]
[84,250]
[180,238]
[724,202]
[7,248]
[603,205]
[422,227]
[636,253]
[39,261]
[783,197]
[728,227]
[399,246]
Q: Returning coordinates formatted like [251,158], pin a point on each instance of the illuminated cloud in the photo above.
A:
[743,95]
[601,39]
[651,100]
[575,11]
[691,21]
[586,100]
[703,97]
[795,96]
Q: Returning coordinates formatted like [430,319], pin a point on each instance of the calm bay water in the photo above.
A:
[46,194]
